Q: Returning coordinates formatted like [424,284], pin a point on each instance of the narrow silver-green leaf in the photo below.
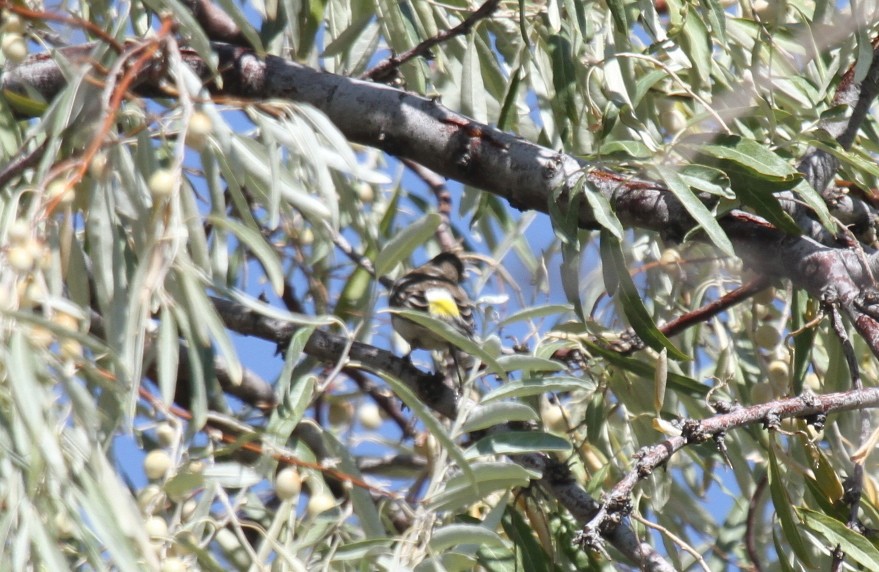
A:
[696,208]
[257,244]
[490,414]
[519,442]
[431,423]
[457,534]
[539,386]
[790,526]
[535,312]
[615,270]
[855,546]
[406,241]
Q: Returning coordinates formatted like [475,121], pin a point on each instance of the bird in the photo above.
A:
[435,289]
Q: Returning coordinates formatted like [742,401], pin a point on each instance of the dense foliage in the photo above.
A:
[668,216]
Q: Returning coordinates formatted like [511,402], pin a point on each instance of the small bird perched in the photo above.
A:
[433,288]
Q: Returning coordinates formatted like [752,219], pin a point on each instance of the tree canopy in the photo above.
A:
[668,215]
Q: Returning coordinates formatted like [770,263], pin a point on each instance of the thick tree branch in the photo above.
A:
[420,129]
[328,347]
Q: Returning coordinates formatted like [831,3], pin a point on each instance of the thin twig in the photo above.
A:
[387,67]
[699,431]
[674,538]
[628,344]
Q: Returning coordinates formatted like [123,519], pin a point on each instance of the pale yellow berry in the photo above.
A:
[19,231]
[199,130]
[188,509]
[554,418]
[162,183]
[156,528]
[20,258]
[779,375]
[173,564]
[166,435]
[63,525]
[812,381]
[369,415]
[765,296]
[98,166]
[673,121]
[761,393]
[70,349]
[320,502]
[365,192]
[767,336]
[14,47]
[149,497]
[670,258]
[66,321]
[40,337]
[195,467]
[340,413]
[12,23]
[592,458]
[306,237]
[156,464]
[58,191]
[426,445]
[288,483]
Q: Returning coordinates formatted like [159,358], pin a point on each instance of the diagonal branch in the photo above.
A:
[695,431]
[388,67]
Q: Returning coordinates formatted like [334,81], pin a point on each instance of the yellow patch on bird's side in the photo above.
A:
[441,303]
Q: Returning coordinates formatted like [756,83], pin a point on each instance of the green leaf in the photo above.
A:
[507,118]
[855,546]
[521,533]
[782,553]
[361,499]
[696,44]
[519,362]
[811,197]
[757,194]
[676,381]
[784,510]
[803,340]
[627,149]
[538,386]
[707,179]
[406,241]
[487,477]
[472,89]
[233,10]
[754,158]
[257,244]
[696,209]
[487,415]
[517,443]
[431,423]
[534,312]
[564,76]
[570,271]
[618,13]
[457,534]
[616,272]
[602,210]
